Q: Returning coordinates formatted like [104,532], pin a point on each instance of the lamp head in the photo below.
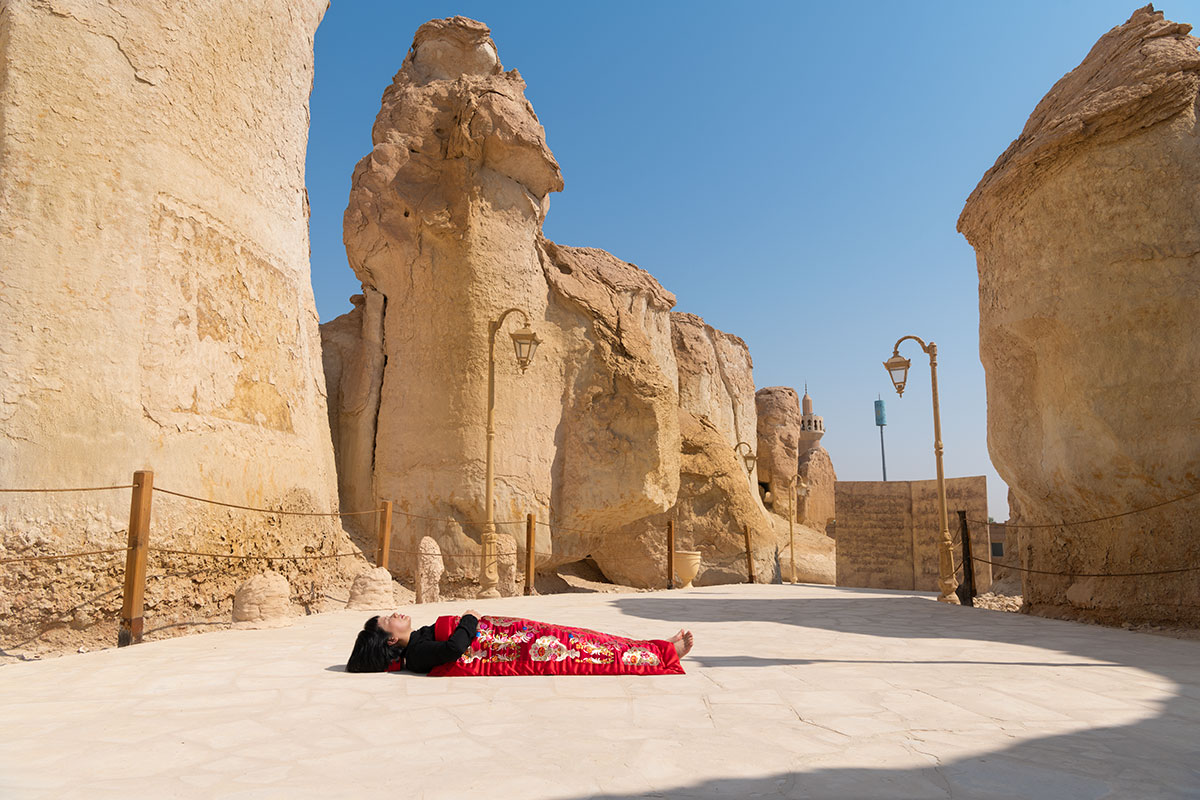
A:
[897,368]
[525,341]
[749,457]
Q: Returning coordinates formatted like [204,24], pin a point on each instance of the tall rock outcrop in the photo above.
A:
[1087,234]
[816,508]
[157,307]
[353,344]
[717,500]
[444,222]
[716,378]
[779,431]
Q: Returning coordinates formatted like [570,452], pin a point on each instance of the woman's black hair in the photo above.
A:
[371,652]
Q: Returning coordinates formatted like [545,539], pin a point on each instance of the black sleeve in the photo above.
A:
[424,656]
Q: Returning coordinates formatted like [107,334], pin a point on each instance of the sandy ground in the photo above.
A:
[792,691]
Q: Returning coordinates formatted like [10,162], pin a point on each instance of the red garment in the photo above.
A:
[514,646]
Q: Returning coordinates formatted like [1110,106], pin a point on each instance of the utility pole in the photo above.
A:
[881,420]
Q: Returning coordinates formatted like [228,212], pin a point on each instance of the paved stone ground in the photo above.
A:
[792,691]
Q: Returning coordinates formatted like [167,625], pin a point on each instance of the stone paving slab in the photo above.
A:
[792,691]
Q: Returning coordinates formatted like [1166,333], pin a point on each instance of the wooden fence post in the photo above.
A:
[530,547]
[749,557]
[385,534]
[670,554]
[133,600]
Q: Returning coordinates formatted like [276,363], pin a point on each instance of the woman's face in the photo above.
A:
[397,626]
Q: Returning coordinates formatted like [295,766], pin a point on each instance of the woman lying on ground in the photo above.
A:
[492,645]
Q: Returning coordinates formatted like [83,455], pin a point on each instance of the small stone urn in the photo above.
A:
[687,565]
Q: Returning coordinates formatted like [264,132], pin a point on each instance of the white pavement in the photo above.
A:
[792,691]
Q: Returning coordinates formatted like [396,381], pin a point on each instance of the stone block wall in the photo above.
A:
[888,531]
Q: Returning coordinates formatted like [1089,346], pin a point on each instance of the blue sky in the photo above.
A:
[792,171]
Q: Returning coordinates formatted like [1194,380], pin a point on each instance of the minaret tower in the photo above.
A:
[812,427]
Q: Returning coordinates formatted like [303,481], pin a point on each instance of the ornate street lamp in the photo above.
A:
[525,341]
[897,368]
[748,456]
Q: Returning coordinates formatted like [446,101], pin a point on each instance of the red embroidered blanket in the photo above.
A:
[514,646]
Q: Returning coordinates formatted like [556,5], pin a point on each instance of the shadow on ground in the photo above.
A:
[1153,758]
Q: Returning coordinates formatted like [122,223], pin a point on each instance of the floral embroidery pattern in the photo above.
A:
[592,653]
[490,638]
[496,647]
[471,656]
[550,648]
[639,657]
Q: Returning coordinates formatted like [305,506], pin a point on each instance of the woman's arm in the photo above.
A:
[425,656]
[463,635]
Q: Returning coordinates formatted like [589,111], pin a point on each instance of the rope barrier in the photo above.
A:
[1089,521]
[84,489]
[476,555]
[458,522]
[556,526]
[1087,574]
[64,555]
[268,510]
[250,558]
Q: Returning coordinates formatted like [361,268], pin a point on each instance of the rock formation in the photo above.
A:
[817,475]
[716,378]
[715,505]
[717,500]
[628,415]
[1088,250]
[791,460]
[263,601]
[157,307]
[372,589]
[354,342]
[430,568]
[444,223]
[779,421]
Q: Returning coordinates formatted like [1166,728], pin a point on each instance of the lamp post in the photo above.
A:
[897,368]
[525,341]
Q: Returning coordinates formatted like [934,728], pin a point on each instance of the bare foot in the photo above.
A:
[683,642]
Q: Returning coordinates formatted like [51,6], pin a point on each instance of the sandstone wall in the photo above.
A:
[887,532]
[156,305]
[1087,236]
